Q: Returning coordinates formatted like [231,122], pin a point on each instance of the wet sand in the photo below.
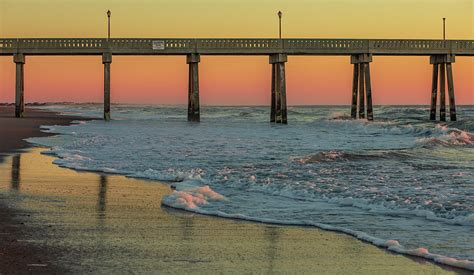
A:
[102,223]
[13,130]
[17,257]
[56,220]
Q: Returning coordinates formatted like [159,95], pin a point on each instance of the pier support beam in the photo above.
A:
[278,113]
[442,95]
[107,60]
[273,97]
[452,100]
[355,89]
[193,87]
[362,87]
[19,60]
[434,92]
[442,69]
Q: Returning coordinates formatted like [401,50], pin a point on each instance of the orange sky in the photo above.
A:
[232,80]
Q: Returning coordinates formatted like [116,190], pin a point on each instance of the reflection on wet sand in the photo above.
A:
[15,178]
[101,204]
[112,224]
[272,235]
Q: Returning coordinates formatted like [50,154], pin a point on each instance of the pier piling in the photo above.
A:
[355,89]
[361,90]
[362,87]
[106,60]
[193,87]
[19,60]
[444,62]
[442,91]
[273,96]
[279,107]
[452,101]
[368,92]
[434,92]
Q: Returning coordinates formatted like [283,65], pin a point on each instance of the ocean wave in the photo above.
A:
[332,156]
[339,116]
[388,208]
[449,137]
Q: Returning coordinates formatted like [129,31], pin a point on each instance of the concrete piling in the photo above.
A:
[282,87]
[368,91]
[279,109]
[107,60]
[19,60]
[452,101]
[444,62]
[193,87]
[442,91]
[355,89]
[361,91]
[273,96]
[362,87]
[434,92]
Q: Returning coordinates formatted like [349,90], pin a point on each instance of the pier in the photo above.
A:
[441,55]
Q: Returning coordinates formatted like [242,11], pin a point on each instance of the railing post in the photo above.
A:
[19,60]
[280,107]
[107,60]
[193,87]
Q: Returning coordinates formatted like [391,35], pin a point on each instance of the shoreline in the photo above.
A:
[67,120]
[15,130]
[15,256]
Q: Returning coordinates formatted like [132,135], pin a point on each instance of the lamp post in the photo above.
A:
[108,23]
[444,28]
[279,22]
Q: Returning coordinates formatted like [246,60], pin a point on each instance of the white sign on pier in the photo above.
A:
[158,45]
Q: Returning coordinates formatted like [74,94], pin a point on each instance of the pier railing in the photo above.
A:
[235,46]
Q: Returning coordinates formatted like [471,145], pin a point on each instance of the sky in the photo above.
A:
[229,80]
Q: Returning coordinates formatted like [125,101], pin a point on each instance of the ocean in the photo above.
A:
[401,182]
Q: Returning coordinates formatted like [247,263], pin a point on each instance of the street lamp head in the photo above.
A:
[280,14]
[108,13]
